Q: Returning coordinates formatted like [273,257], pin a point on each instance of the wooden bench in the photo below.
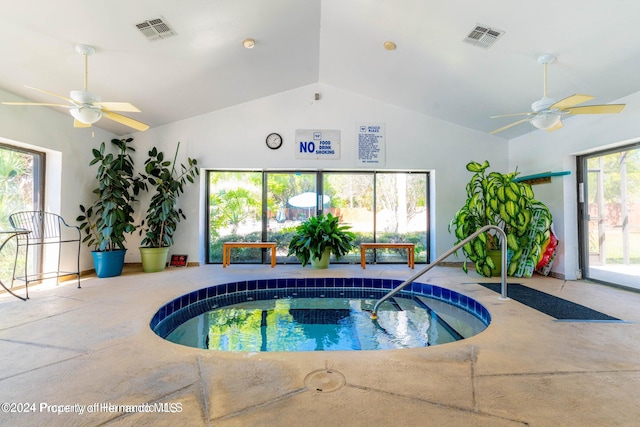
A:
[410,247]
[226,250]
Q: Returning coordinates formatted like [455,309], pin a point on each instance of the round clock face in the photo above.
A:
[274,141]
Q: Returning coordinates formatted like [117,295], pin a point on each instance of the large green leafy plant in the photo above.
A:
[496,199]
[318,233]
[110,217]
[168,184]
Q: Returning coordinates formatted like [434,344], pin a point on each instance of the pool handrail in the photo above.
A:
[503,270]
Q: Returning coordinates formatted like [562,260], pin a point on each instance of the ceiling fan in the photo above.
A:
[86,107]
[547,112]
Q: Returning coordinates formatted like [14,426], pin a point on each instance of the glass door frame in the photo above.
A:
[38,174]
[319,178]
[582,174]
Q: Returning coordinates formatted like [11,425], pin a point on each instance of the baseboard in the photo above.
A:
[557,275]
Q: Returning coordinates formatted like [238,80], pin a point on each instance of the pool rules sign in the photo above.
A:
[371,144]
[317,144]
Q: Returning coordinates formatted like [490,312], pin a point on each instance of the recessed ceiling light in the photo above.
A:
[249,43]
[389,45]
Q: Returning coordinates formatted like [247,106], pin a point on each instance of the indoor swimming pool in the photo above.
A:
[319,314]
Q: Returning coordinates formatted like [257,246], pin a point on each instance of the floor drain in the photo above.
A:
[324,381]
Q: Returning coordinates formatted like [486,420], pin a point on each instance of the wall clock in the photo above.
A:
[274,141]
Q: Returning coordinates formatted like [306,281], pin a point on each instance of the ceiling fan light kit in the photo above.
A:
[545,121]
[546,113]
[86,115]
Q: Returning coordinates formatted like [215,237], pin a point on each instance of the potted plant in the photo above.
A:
[163,216]
[496,199]
[109,218]
[317,237]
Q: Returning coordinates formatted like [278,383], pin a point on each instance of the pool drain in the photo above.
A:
[324,381]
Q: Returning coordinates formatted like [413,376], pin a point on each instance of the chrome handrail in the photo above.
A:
[503,289]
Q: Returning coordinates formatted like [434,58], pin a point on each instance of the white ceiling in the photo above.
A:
[335,42]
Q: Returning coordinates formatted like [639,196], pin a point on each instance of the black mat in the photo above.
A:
[553,306]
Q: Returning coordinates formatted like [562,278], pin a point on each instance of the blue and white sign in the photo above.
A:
[317,144]
[371,144]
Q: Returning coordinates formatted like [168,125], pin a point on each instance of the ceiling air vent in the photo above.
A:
[155,29]
[483,36]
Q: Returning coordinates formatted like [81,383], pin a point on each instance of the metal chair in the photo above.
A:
[43,228]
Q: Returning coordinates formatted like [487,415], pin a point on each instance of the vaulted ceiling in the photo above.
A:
[204,67]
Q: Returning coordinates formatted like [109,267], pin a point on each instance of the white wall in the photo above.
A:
[234,138]
[543,151]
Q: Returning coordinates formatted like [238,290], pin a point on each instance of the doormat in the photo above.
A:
[553,306]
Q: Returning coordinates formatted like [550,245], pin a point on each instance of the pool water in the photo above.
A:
[323,324]
[318,314]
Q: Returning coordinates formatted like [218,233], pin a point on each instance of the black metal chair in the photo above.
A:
[43,228]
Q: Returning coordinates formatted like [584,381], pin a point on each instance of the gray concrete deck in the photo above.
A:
[92,348]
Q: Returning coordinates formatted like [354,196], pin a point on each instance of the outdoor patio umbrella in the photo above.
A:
[307,200]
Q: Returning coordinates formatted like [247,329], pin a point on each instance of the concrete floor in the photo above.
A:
[92,349]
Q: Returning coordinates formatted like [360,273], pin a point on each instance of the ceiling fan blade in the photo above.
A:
[125,120]
[38,104]
[52,94]
[570,101]
[556,126]
[597,109]
[511,115]
[118,106]
[508,126]
[79,124]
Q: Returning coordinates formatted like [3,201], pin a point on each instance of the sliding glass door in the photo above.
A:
[268,205]
[610,216]
[291,198]
[401,214]
[21,189]
[235,212]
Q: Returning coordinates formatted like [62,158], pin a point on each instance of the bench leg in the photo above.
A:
[363,258]
[273,256]
[224,255]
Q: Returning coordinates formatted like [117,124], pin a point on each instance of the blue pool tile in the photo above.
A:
[193,297]
[437,291]
[463,301]
[455,298]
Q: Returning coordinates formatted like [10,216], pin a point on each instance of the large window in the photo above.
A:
[21,188]
[610,215]
[268,205]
